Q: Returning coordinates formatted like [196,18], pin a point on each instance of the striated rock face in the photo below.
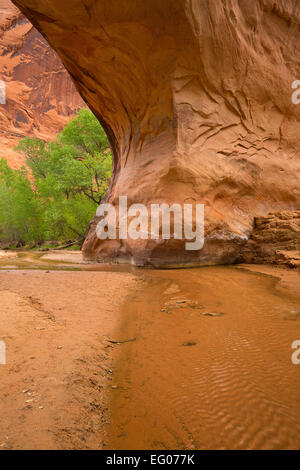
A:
[274,240]
[40,96]
[195,97]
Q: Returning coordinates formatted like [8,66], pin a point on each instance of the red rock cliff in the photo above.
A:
[40,94]
[195,96]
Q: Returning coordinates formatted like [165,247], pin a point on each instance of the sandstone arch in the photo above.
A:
[195,96]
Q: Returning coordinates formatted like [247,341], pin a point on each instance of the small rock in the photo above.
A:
[212,314]
[28,407]
[189,343]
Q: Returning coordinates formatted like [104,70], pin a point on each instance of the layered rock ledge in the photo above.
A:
[195,97]
[275,240]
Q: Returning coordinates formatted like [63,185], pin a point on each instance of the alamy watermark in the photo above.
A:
[296,93]
[2,352]
[2,92]
[140,222]
[296,354]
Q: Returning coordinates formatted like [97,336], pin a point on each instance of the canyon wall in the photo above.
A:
[195,96]
[40,96]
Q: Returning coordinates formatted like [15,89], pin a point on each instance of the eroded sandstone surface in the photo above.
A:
[195,97]
[275,240]
[40,96]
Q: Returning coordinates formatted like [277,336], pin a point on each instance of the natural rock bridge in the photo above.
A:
[195,97]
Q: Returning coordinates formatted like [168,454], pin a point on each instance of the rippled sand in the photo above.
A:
[212,375]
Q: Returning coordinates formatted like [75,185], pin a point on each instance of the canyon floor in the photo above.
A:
[56,324]
[122,358]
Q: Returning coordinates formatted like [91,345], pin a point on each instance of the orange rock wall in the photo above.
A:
[195,96]
[41,97]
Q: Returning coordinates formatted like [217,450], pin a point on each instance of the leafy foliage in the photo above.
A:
[56,194]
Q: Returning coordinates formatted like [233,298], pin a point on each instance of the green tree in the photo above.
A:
[79,159]
[56,194]
[20,216]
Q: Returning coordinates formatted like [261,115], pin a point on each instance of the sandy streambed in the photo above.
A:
[210,366]
[112,357]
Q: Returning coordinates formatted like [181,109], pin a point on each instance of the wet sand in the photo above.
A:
[121,358]
[216,374]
